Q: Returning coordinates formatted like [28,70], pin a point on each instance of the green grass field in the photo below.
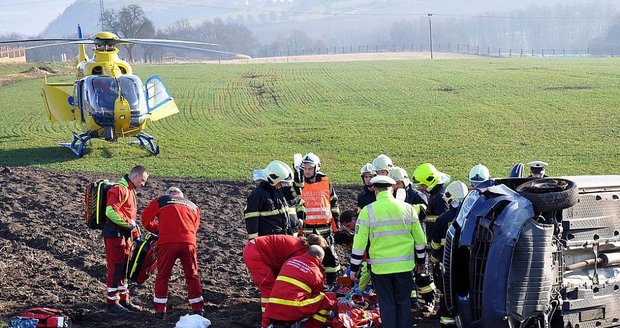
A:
[452,113]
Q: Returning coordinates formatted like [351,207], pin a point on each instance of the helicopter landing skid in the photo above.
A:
[146,141]
[78,143]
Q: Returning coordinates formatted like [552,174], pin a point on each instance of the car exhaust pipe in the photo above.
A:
[602,260]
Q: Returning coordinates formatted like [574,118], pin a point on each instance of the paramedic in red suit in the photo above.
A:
[265,255]
[176,220]
[120,226]
[297,292]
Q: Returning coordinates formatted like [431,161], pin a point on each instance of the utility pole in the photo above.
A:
[101,14]
[430,33]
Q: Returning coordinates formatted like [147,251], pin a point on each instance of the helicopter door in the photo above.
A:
[57,102]
[158,101]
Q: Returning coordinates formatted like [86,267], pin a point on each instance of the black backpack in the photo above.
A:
[95,200]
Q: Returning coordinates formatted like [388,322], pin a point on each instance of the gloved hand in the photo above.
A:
[135,231]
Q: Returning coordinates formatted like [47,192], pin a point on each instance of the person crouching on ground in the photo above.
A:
[120,226]
[176,220]
[265,255]
[297,292]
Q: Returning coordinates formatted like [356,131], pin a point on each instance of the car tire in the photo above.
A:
[549,194]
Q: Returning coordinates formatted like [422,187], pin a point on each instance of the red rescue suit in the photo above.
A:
[121,212]
[177,223]
[297,293]
[264,256]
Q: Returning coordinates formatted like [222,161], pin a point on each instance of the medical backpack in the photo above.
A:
[47,317]
[142,258]
[95,200]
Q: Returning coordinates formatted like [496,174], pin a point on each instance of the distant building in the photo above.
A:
[12,55]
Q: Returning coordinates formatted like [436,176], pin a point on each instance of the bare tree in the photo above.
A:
[129,22]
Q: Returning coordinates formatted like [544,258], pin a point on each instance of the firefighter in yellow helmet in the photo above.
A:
[322,211]
[432,181]
[397,246]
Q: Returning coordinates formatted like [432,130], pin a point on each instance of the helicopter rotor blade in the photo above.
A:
[42,40]
[171,41]
[174,46]
[59,44]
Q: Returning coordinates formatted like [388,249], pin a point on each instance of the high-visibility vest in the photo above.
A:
[317,200]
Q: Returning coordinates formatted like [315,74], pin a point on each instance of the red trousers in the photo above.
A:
[116,255]
[264,277]
[167,254]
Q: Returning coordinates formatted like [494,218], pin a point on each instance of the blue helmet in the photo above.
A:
[517,171]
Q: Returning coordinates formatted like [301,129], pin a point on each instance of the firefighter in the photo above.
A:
[412,195]
[366,196]
[478,174]
[537,169]
[265,255]
[397,246]
[297,292]
[382,165]
[455,193]
[176,220]
[431,181]
[322,211]
[120,227]
[267,211]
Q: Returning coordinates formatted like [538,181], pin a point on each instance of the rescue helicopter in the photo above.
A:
[106,97]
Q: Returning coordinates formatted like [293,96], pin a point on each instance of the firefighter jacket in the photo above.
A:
[439,233]
[297,292]
[175,219]
[321,203]
[121,209]
[267,212]
[437,204]
[274,250]
[365,197]
[394,233]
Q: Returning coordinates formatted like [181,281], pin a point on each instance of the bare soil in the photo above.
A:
[48,257]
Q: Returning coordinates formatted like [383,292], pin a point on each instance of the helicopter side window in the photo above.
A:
[132,91]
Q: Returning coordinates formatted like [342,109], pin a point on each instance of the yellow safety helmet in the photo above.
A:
[426,175]
[400,174]
[382,162]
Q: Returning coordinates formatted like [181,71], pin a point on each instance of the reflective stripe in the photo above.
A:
[249,215]
[123,292]
[431,218]
[160,300]
[389,233]
[112,290]
[414,294]
[434,259]
[391,259]
[264,300]
[356,261]
[320,209]
[196,300]
[435,246]
[391,223]
[309,301]
[262,309]
[318,216]
[420,248]
[332,269]
[427,289]
[443,241]
[122,287]
[447,321]
[357,252]
[371,214]
[363,223]
[319,318]
[295,282]
[325,312]
[114,298]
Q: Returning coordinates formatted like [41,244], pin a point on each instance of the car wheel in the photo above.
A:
[549,194]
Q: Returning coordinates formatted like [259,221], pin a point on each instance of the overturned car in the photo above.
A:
[536,253]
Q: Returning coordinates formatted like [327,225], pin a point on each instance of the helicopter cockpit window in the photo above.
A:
[133,91]
[102,92]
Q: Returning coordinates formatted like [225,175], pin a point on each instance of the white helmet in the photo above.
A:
[399,174]
[313,160]
[479,173]
[382,162]
[278,171]
[367,168]
[455,192]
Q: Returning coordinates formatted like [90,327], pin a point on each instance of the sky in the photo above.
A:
[37,14]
